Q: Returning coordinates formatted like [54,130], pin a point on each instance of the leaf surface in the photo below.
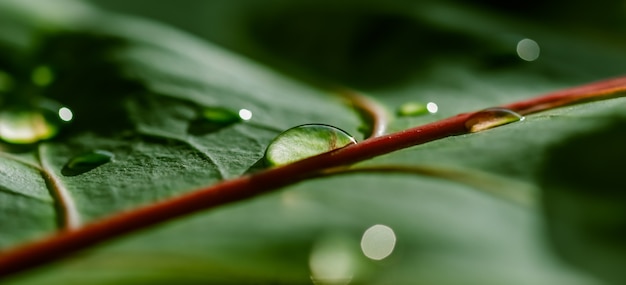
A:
[140,93]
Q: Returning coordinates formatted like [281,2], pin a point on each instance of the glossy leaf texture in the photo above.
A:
[142,92]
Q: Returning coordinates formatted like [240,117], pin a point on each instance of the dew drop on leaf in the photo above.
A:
[220,115]
[411,109]
[213,119]
[491,118]
[86,161]
[27,125]
[305,141]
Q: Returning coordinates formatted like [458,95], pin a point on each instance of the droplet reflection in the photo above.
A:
[528,50]
[432,107]
[66,114]
[491,118]
[378,242]
[245,114]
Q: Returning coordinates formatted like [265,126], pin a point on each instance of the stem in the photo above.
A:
[370,109]
[69,241]
[69,217]
[512,191]
[599,90]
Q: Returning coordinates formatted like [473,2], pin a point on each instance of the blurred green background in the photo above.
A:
[380,43]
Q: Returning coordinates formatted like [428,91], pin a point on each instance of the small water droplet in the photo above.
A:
[417,109]
[42,75]
[528,50]
[412,109]
[378,242]
[25,126]
[491,118]
[86,161]
[305,141]
[213,119]
[30,124]
[220,115]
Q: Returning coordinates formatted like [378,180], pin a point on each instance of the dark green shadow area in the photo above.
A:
[368,46]
[88,80]
[585,200]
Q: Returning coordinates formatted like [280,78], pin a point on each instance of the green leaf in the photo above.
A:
[141,92]
[139,100]
[584,200]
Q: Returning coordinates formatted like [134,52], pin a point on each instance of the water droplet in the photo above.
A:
[378,242]
[305,141]
[220,115]
[213,119]
[27,125]
[417,109]
[412,109]
[6,82]
[42,75]
[86,161]
[528,50]
[491,118]
[245,114]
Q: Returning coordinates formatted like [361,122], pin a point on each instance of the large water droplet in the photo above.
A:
[378,242]
[213,119]
[86,161]
[42,75]
[491,118]
[305,141]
